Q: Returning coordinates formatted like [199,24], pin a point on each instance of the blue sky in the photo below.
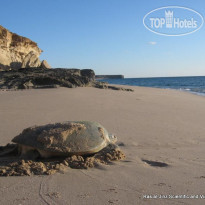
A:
[107,36]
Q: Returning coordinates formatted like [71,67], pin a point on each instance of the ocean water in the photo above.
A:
[194,84]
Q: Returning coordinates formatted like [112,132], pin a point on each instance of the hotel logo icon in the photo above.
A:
[169,19]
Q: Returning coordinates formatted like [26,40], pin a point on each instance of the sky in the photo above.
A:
[107,36]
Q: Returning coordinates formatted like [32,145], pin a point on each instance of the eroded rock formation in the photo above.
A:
[17,51]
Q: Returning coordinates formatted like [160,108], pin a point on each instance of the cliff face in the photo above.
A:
[14,49]
[109,76]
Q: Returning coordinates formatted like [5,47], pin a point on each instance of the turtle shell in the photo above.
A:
[72,137]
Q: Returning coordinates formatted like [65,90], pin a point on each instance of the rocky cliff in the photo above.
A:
[21,68]
[17,51]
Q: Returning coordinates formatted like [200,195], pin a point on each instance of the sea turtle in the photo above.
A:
[63,139]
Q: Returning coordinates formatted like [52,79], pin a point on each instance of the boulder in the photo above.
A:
[89,73]
[44,64]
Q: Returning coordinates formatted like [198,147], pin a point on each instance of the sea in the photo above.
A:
[193,84]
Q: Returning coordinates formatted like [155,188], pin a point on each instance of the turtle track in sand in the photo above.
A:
[13,165]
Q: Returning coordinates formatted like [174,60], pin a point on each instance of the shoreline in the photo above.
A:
[180,90]
[192,84]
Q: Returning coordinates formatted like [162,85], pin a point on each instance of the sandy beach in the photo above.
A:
[160,131]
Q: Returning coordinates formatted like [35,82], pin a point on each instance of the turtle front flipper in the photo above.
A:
[27,152]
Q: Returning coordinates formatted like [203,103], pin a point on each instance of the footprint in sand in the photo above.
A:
[155,163]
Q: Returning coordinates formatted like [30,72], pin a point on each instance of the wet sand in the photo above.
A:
[160,131]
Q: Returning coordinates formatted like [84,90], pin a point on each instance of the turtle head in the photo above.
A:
[112,138]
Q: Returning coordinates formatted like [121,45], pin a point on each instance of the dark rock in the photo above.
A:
[88,73]
[45,78]
[28,78]
[104,85]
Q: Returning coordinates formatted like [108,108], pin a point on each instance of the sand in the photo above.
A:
[160,131]
[14,164]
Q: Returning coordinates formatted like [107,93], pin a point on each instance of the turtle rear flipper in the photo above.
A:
[9,149]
